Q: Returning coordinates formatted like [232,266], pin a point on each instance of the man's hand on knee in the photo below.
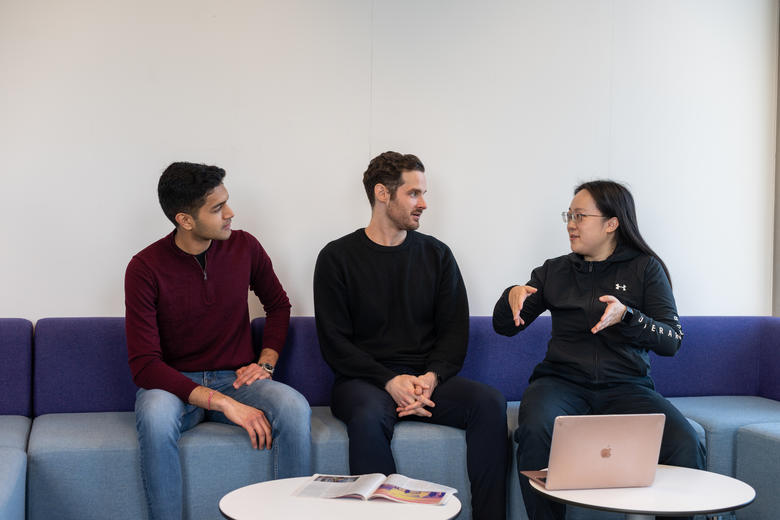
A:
[249,374]
[253,421]
[250,419]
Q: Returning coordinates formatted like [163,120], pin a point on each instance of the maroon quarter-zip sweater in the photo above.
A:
[184,318]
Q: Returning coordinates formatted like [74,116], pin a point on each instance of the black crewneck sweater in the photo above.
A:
[380,310]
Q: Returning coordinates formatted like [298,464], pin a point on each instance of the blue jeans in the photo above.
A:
[161,418]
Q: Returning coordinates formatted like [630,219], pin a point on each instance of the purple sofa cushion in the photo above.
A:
[301,364]
[769,368]
[502,362]
[81,366]
[720,355]
[16,366]
[489,357]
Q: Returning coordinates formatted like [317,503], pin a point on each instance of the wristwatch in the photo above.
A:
[268,367]
[628,316]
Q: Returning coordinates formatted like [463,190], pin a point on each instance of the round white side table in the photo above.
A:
[676,491]
[275,499]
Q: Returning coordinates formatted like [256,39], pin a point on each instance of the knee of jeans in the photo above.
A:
[492,402]
[532,428]
[684,443]
[370,418]
[293,408]
[158,412]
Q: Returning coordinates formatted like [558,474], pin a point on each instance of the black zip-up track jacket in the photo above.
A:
[570,288]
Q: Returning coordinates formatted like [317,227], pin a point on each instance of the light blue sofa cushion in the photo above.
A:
[434,453]
[721,417]
[13,472]
[14,431]
[329,442]
[83,465]
[758,464]
[423,451]
[216,459]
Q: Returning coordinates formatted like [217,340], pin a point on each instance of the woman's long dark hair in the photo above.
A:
[614,200]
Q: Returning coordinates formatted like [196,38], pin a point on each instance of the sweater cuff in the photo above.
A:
[382,380]
[443,370]
[183,389]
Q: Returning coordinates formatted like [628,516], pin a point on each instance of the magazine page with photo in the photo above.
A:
[397,488]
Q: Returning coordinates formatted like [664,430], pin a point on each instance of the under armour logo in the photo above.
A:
[619,287]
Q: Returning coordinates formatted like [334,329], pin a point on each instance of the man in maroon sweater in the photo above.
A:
[189,339]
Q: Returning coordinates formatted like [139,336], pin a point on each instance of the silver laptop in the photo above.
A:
[602,451]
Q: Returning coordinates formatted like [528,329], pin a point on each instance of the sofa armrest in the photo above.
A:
[13,472]
[16,368]
[769,371]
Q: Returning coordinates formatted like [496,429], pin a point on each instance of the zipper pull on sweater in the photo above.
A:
[202,267]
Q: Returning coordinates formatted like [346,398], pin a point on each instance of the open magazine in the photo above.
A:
[375,485]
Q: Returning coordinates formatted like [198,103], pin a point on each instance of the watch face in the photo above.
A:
[268,367]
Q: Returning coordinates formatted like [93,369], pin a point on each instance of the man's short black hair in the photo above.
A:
[184,186]
[386,169]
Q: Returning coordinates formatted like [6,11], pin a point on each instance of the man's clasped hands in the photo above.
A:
[412,393]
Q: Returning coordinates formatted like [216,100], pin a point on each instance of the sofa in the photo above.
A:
[76,447]
[15,409]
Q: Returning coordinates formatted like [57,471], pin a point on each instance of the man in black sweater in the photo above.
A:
[392,319]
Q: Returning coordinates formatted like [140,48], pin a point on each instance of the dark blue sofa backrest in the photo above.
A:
[505,363]
[723,355]
[81,366]
[719,356]
[301,364]
[489,359]
[16,366]
[770,358]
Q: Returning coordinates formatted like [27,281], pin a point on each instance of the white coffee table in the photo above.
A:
[676,491]
[274,499]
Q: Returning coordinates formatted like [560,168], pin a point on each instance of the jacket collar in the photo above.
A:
[620,254]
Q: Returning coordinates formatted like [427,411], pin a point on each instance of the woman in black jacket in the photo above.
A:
[611,303]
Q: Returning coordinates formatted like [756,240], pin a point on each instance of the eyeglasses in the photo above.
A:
[576,217]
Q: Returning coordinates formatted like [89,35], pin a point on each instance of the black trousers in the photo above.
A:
[370,416]
[548,397]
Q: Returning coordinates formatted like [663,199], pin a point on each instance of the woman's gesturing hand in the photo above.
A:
[612,314]
[517,296]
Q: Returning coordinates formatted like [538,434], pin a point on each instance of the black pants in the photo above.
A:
[370,416]
[548,397]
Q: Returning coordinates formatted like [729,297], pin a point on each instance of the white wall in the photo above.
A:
[776,270]
[509,104]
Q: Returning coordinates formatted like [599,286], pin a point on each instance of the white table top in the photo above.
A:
[675,491]
[274,499]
